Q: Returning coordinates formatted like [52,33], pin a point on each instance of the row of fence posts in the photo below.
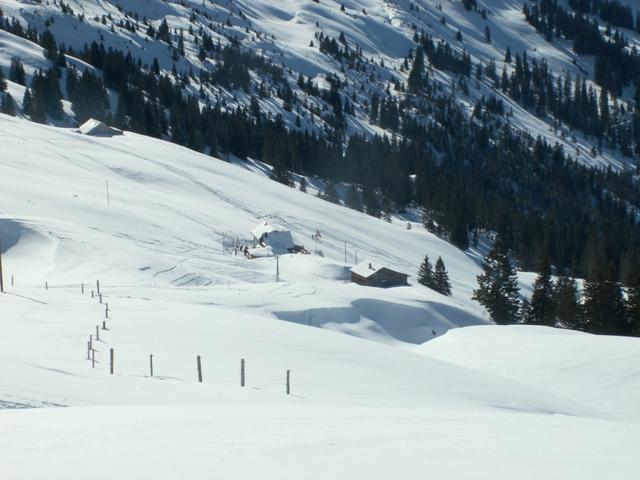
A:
[91,356]
[91,351]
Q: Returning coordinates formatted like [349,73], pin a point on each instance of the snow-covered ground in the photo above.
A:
[283,30]
[372,393]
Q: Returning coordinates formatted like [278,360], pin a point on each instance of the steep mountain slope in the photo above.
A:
[479,117]
[371,403]
[381,30]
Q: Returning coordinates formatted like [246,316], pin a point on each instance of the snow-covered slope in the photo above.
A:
[283,31]
[365,401]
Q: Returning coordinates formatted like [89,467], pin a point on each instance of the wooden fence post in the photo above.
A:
[92,295]
[97,333]
[104,324]
[82,288]
[46,285]
[89,350]
[100,295]
[111,360]
[151,364]
[242,364]
[199,369]
[1,274]
[98,286]
[106,310]
[288,382]
[93,358]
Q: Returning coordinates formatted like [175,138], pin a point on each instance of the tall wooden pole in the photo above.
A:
[288,382]
[199,369]
[242,363]
[1,275]
[345,252]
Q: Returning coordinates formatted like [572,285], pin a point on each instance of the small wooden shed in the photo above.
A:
[96,128]
[373,275]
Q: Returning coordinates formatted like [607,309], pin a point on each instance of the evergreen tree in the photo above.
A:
[498,287]
[48,42]
[567,300]
[425,273]
[487,34]
[3,82]
[441,279]
[416,79]
[8,106]
[26,101]
[604,307]
[633,302]
[163,32]
[541,309]
[16,72]
[507,55]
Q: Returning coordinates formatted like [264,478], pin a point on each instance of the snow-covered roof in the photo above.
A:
[367,268]
[98,128]
[267,227]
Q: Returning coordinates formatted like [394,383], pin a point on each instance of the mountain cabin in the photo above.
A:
[371,274]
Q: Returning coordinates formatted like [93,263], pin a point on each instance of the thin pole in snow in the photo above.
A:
[277,268]
[199,369]
[151,364]
[1,275]
[288,382]
[108,199]
[111,360]
[242,364]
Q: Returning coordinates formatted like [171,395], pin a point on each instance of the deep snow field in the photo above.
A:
[382,382]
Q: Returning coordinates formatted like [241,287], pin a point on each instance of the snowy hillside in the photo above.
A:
[283,32]
[369,398]
[137,340]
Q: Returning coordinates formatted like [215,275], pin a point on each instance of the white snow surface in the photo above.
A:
[283,30]
[372,393]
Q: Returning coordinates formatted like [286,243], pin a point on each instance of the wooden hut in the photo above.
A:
[372,275]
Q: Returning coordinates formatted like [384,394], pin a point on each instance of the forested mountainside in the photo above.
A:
[486,116]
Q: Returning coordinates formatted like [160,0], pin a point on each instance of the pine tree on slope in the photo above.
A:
[633,303]
[8,106]
[441,279]
[604,307]
[567,300]
[498,288]
[541,309]
[3,82]
[425,273]
[415,81]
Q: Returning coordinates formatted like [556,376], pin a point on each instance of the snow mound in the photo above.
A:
[598,371]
